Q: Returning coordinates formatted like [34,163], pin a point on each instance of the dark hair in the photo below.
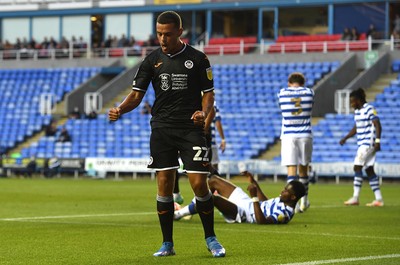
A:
[298,189]
[358,94]
[170,17]
[297,77]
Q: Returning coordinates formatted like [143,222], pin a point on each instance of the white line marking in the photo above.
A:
[43,218]
[73,216]
[329,261]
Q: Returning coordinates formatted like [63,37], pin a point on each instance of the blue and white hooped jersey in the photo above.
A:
[212,126]
[280,212]
[365,128]
[296,106]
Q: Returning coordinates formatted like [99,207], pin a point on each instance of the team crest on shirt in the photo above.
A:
[189,64]
[209,73]
[164,81]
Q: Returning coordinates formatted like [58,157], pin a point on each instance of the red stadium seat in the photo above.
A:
[358,45]
[230,45]
[315,46]
[116,52]
[336,46]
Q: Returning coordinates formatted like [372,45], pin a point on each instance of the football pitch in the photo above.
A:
[85,221]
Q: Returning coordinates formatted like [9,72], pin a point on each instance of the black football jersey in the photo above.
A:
[178,81]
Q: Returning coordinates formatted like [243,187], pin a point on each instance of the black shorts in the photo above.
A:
[168,144]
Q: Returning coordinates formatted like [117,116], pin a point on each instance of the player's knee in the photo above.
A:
[212,182]
[370,171]
[200,188]
[357,168]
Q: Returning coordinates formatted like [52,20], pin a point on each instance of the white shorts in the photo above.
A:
[296,151]
[245,207]
[365,156]
[215,156]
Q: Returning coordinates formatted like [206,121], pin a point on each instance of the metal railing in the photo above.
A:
[219,49]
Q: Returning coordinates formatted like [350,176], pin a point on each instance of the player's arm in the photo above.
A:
[209,120]
[199,116]
[378,131]
[352,132]
[258,192]
[218,125]
[130,103]
[259,215]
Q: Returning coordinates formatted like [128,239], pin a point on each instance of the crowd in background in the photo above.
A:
[79,45]
[48,43]
[64,43]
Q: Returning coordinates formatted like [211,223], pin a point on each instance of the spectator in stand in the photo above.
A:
[371,32]
[81,43]
[31,167]
[64,136]
[75,114]
[45,43]
[396,24]
[64,44]
[33,43]
[114,42]
[132,41]
[107,43]
[92,115]
[133,44]
[146,108]
[52,43]
[51,129]
[18,44]
[8,45]
[346,35]
[354,34]
[123,41]
[25,43]
[151,42]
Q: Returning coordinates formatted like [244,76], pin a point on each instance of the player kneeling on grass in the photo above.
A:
[237,206]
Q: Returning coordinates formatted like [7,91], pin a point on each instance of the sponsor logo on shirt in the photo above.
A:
[209,73]
[164,81]
[189,64]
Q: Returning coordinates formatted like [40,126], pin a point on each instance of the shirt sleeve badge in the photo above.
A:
[209,73]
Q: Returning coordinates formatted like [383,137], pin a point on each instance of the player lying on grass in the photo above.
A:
[237,206]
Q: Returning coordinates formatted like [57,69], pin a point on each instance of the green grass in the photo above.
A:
[69,221]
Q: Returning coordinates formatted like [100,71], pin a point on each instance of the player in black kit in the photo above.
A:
[183,83]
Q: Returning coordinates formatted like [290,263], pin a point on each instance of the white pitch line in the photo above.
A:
[330,261]
[41,218]
[73,216]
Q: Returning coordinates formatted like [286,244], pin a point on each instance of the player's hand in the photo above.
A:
[342,141]
[377,147]
[252,188]
[222,146]
[114,114]
[249,177]
[199,118]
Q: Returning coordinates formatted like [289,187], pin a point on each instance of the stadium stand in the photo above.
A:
[252,122]
[317,43]
[231,45]
[245,120]
[20,115]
